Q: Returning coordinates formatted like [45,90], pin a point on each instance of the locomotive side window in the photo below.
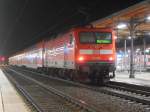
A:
[71,39]
[95,37]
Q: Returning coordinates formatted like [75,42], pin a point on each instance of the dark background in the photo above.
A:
[24,22]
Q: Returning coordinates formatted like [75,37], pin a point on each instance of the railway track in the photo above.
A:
[46,99]
[142,93]
[137,89]
[91,95]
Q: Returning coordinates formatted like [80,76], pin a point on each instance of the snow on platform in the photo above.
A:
[10,101]
[142,78]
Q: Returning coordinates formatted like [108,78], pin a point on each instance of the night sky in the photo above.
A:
[25,22]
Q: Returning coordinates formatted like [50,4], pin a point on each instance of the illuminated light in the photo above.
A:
[103,41]
[110,58]
[148,33]
[121,26]
[119,55]
[115,37]
[148,18]
[81,58]
[137,50]
[147,50]
[3,58]
[129,37]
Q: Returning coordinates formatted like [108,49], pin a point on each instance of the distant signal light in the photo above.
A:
[2,58]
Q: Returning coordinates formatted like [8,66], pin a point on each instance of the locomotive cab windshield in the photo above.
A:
[95,37]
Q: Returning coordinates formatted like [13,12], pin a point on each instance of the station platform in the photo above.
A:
[10,100]
[141,78]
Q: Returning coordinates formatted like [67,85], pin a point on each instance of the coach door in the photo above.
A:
[68,52]
[65,54]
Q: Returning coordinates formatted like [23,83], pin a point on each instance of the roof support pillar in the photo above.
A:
[132,27]
[132,55]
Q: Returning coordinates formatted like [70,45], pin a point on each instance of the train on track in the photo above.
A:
[80,54]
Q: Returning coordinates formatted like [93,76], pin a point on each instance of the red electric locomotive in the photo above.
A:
[81,54]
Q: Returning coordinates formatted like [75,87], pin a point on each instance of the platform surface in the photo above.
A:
[10,100]
[141,78]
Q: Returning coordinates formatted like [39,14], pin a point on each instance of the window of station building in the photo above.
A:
[95,37]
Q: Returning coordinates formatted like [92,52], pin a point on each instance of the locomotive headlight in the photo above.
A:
[81,58]
[110,58]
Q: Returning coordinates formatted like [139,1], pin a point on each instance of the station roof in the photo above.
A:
[138,11]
